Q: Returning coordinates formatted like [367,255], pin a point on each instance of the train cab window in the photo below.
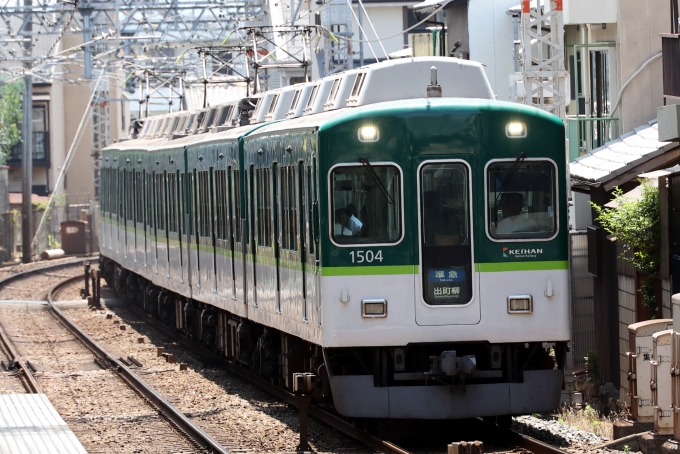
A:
[521,199]
[366,205]
[446,250]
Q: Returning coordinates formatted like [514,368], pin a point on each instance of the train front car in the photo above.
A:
[444,259]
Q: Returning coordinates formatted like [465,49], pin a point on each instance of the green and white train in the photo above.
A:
[404,239]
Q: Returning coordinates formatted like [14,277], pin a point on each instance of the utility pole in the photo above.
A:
[27,158]
[361,35]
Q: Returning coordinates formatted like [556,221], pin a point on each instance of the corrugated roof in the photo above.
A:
[620,155]
[30,424]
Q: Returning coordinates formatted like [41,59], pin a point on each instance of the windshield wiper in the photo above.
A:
[376,179]
[508,178]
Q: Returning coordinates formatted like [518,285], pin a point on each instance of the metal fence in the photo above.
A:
[582,302]
[6,237]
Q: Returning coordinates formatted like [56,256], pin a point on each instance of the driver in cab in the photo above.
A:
[346,224]
[515,221]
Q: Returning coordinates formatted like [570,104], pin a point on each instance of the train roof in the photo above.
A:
[400,107]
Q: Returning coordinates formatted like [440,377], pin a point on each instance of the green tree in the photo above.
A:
[10,116]
[635,224]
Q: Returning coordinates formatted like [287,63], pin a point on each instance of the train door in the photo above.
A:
[239,235]
[292,279]
[223,244]
[161,225]
[446,283]
[251,256]
[118,212]
[195,237]
[130,240]
[174,239]
[139,220]
[150,223]
[206,248]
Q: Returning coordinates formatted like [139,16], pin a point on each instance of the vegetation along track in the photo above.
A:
[106,415]
[135,317]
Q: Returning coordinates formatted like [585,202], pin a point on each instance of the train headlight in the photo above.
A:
[369,134]
[515,130]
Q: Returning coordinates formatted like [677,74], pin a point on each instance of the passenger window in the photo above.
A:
[366,205]
[521,199]
[446,251]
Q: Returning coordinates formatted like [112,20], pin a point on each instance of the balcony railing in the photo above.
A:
[587,133]
[41,151]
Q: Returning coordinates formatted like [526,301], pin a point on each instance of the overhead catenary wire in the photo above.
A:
[386,37]
[375,33]
[69,157]
[362,29]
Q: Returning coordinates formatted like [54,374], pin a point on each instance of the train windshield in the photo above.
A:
[521,199]
[446,252]
[366,205]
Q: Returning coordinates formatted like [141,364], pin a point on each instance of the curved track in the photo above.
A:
[198,437]
[181,422]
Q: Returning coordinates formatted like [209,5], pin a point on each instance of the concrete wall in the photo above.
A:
[638,39]
[4,189]
[388,19]
[457,27]
[491,41]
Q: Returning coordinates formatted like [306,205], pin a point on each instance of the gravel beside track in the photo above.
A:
[240,416]
[105,415]
[35,287]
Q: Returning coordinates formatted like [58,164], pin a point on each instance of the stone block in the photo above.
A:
[671,447]
[651,443]
[625,428]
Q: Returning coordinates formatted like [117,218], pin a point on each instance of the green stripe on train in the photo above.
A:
[411,269]
[522,266]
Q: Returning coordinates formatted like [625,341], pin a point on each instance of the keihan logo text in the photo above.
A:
[507,252]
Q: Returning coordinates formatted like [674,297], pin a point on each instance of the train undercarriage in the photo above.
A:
[419,381]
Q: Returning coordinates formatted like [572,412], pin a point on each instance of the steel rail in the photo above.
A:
[322,415]
[28,379]
[194,432]
[51,267]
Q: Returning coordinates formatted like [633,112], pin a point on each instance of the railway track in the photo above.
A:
[159,424]
[199,439]
[517,440]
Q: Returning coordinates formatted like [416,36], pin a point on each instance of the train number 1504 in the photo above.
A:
[365,256]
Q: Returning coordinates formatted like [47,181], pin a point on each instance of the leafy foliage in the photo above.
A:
[635,224]
[10,116]
[593,363]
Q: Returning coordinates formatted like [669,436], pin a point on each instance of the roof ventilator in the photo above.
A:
[434,90]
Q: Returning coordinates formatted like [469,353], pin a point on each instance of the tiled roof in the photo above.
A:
[620,155]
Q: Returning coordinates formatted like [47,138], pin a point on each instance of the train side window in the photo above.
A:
[237,205]
[203,204]
[446,252]
[289,227]
[366,204]
[264,222]
[172,202]
[521,199]
[121,194]
[150,210]
[160,202]
[221,204]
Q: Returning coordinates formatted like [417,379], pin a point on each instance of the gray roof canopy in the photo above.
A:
[623,159]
